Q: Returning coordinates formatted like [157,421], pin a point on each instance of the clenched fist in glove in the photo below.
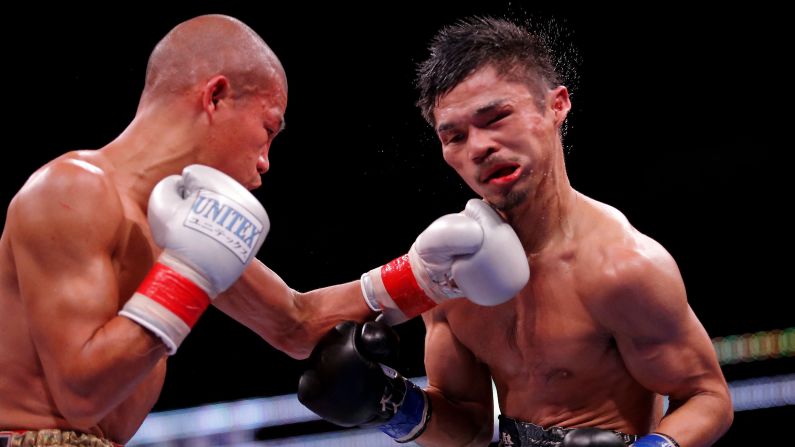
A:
[348,383]
[473,254]
[210,227]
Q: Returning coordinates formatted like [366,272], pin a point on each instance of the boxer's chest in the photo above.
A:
[544,336]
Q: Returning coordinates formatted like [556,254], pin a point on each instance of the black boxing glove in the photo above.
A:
[591,437]
[346,382]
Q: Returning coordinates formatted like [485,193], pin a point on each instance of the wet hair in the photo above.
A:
[476,42]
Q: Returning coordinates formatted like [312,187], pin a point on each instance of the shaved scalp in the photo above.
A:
[205,46]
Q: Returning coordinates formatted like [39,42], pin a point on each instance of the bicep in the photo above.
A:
[662,343]
[452,369]
[459,388]
[675,359]
[62,252]
[64,305]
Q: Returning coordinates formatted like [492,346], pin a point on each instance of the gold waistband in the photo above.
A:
[52,438]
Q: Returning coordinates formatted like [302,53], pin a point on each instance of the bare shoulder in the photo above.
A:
[435,315]
[627,254]
[628,270]
[67,194]
[444,316]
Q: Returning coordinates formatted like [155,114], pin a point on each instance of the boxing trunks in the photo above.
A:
[51,438]
[515,433]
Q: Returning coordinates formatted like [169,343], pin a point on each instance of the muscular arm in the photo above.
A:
[459,388]
[63,228]
[665,347]
[294,322]
[289,320]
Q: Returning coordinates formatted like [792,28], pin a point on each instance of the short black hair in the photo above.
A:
[459,50]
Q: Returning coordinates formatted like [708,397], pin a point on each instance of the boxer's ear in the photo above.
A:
[214,91]
[559,102]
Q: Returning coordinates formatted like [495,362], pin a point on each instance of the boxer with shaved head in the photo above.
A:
[108,257]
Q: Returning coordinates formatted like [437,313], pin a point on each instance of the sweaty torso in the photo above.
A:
[552,362]
[26,400]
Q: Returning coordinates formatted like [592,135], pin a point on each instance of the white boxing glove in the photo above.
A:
[473,254]
[499,269]
[210,227]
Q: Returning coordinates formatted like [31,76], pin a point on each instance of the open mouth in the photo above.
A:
[501,173]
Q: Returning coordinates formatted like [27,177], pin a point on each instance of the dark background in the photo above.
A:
[681,119]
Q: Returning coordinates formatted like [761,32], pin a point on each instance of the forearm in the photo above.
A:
[127,417]
[288,320]
[106,370]
[262,302]
[456,423]
[324,308]
[698,421]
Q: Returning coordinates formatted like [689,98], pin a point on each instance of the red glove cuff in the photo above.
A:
[402,286]
[175,292]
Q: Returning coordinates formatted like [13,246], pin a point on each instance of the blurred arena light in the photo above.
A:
[757,346]
[238,423]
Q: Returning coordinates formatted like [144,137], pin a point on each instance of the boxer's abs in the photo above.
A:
[553,368]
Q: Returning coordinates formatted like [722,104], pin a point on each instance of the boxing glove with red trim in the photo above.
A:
[473,254]
[210,227]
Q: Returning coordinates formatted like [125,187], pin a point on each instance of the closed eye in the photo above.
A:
[498,117]
[272,132]
[452,137]
[455,138]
